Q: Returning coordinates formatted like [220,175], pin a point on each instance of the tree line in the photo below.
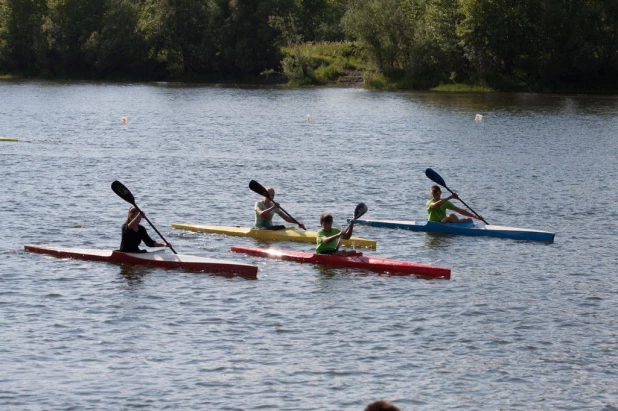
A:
[507,44]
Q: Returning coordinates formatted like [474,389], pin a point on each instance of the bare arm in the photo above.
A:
[152,243]
[135,222]
[333,237]
[467,213]
[347,233]
[290,220]
[442,201]
[287,218]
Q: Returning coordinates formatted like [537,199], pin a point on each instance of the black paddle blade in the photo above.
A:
[435,177]
[258,188]
[360,209]
[123,192]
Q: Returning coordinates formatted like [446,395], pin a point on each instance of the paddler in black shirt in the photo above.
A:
[133,234]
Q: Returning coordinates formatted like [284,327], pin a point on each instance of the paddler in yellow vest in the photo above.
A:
[436,208]
[265,211]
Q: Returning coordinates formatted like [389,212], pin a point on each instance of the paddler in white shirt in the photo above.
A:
[265,211]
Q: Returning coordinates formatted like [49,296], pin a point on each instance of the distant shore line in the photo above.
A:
[349,78]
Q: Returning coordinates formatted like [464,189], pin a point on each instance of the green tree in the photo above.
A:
[552,44]
[248,41]
[607,48]
[440,55]
[578,41]
[121,50]
[385,30]
[68,27]
[319,20]
[178,32]
[501,37]
[22,44]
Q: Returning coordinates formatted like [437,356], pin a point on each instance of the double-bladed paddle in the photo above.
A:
[435,177]
[360,209]
[259,189]
[126,195]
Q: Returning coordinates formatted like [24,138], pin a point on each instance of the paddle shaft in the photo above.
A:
[155,228]
[288,214]
[469,208]
[340,240]
[358,213]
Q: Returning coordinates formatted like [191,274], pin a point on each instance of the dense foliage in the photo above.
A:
[507,44]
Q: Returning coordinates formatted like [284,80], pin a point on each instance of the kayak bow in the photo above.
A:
[153,259]
[358,260]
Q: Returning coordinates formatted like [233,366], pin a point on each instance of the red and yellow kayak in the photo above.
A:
[154,259]
[357,260]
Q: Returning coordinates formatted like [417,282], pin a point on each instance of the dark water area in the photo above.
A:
[521,325]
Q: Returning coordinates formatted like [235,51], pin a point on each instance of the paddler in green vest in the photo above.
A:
[266,209]
[328,237]
[436,208]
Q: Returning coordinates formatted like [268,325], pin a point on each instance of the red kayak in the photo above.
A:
[357,260]
[153,259]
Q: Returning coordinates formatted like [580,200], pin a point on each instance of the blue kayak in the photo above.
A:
[468,228]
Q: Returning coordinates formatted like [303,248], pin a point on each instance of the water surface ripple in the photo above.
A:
[521,325]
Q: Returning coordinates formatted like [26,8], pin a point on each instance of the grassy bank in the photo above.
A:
[344,64]
[324,64]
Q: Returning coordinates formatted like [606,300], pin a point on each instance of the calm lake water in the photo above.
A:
[521,325]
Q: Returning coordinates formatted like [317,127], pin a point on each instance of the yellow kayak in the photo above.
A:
[8,139]
[289,234]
